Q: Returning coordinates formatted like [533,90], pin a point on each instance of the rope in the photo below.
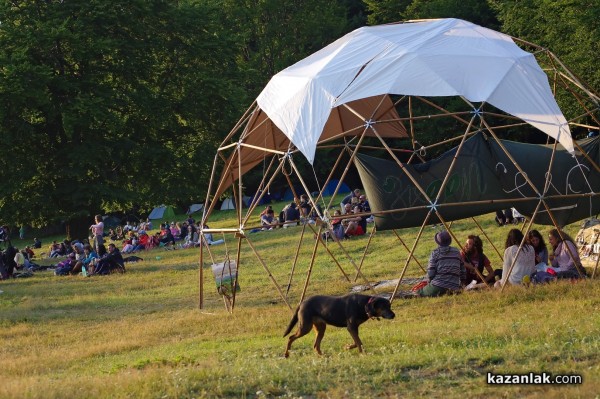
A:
[319,187]
[580,166]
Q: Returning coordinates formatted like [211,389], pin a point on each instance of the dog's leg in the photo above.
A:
[303,329]
[353,330]
[320,330]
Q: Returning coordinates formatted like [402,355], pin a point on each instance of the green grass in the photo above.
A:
[142,335]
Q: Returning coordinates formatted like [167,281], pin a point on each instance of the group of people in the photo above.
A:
[303,211]
[525,259]
[89,261]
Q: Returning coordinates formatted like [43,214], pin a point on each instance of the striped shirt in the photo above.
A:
[446,268]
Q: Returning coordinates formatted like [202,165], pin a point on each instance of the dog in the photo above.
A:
[348,311]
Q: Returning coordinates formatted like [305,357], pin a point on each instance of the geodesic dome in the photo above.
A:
[370,94]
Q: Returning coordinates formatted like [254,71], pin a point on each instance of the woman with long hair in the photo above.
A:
[524,259]
[565,259]
[539,245]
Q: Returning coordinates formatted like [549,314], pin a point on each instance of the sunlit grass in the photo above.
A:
[141,334]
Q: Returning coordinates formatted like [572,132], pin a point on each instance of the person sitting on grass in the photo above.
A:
[524,265]
[291,215]
[446,269]
[167,238]
[355,226]
[474,259]
[350,199]
[89,254]
[112,262]
[337,228]
[143,241]
[565,256]
[539,246]
[191,239]
[268,220]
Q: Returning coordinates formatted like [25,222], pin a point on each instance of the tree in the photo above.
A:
[274,34]
[106,104]
[570,29]
[475,11]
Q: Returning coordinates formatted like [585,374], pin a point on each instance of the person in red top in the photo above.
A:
[474,259]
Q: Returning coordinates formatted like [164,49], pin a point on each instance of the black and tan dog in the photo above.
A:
[348,311]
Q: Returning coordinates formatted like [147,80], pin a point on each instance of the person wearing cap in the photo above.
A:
[446,268]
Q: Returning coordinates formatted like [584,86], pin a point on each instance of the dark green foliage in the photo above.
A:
[110,105]
[107,104]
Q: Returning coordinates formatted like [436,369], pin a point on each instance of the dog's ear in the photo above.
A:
[370,307]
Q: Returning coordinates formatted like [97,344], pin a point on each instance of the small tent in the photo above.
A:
[288,195]
[194,208]
[162,212]
[227,204]
[329,189]
[111,222]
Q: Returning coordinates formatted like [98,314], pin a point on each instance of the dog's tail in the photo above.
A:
[292,323]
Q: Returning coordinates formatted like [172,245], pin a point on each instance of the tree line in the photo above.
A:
[114,105]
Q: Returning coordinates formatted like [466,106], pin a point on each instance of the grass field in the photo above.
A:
[141,334]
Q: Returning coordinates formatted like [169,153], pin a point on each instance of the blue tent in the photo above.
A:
[289,194]
[330,188]
[266,199]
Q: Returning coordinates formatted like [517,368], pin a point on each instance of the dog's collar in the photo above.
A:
[369,308]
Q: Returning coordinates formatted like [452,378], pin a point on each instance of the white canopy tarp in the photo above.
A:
[443,57]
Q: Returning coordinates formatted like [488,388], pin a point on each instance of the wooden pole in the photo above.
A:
[365,252]
[201,278]
[488,238]
[295,260]
[333,257]
[268,272]
[237,272]
[410,255]
[310,267]
[406,247]
[523,241]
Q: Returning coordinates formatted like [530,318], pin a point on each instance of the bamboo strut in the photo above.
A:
[310,267]
[268,272]
[488,239]
[306,190]
[337,161]
[237,273]
[362,259]
[337,263]
[241,121]
[207,209]
[201,278]
[571,255]
[254,147]
[523,241]
[213,203]
[452,165]
[238,204]
[406,247]
[410,255]
[347,168]
[477,272]
[295,260]
[256,201]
